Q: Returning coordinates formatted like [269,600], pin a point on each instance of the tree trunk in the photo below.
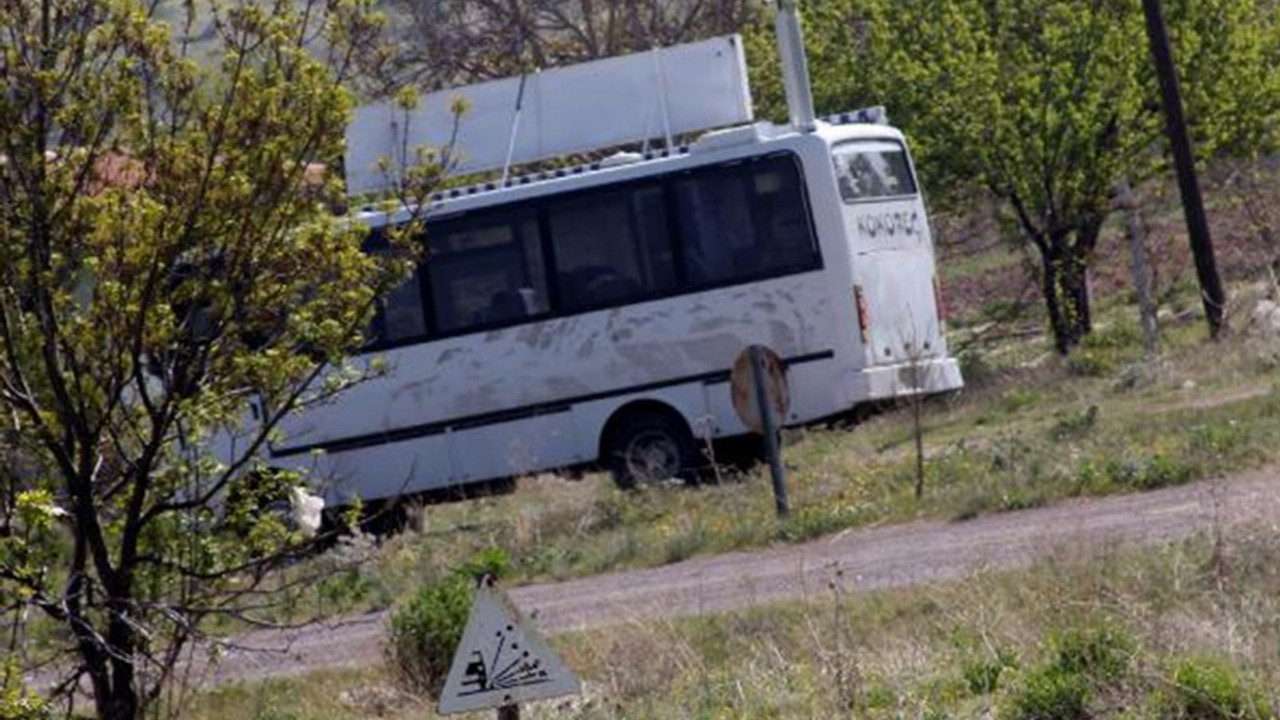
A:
[123,704]
[1065,287]
[1076,287]
[1051,287]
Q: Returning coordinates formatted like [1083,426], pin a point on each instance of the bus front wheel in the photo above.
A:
[651,446]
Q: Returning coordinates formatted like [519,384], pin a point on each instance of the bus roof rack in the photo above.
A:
[563,172]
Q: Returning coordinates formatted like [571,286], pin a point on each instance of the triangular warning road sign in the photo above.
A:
[501,660]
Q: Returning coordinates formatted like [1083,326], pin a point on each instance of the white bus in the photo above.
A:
[592,315]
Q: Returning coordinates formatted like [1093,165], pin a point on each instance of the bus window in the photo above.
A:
[872,169]
[611,247]
[744,222]
[486,271]
[400,315]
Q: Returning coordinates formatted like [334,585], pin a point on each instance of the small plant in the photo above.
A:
[1218,439]
[976,370]
[982,672]
[1019,399]
[1074,424]
[1088,362]
[424,632]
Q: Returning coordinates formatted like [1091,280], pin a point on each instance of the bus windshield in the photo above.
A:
[868,170]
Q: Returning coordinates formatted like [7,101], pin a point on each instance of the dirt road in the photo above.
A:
[891,556]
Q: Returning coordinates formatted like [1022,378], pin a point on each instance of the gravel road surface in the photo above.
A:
[881,557]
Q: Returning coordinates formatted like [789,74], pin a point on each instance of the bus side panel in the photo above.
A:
[519,447]
[378,471]
[722,418]
[461,379]
[475,385]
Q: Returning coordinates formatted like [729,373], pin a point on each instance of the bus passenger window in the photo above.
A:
[401,316]
[744,222]
[611,247]
[486,272]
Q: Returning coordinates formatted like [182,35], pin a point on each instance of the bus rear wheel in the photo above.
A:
[651,446]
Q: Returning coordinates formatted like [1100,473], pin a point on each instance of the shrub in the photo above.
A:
[423,634]
[1145,472]
[976,370]
[1048,693]
[1020,398]
[1205,689]
[1080,661]
[1099,653]
[1086,362]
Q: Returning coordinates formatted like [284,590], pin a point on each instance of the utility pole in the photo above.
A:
[1192,205]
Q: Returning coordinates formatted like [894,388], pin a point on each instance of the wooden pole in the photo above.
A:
[1138,268]
[1184,160]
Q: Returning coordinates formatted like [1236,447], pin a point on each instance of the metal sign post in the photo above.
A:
[760,396]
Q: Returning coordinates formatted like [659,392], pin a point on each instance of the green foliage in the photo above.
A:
[1074,424]
[424,632]
[1044,104]
[490,561]
[1082,660]
[167,253]
[1086,362]
[1020,398]
[1147,471]
[1101,652]
[1048,693]
[982,671]
[1103,352]
[975,369]
[16,701]
[1210,689]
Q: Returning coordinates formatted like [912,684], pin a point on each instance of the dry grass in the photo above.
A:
[1133,626]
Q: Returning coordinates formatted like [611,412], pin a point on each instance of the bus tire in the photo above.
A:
[649,446]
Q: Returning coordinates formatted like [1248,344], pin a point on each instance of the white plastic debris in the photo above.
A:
[306,510]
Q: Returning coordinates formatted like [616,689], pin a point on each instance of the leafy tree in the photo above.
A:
[165,256]
[1044,104]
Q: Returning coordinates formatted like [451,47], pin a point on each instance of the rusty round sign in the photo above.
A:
[743,389]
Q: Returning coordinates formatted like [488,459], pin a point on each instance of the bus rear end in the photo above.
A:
[894,296]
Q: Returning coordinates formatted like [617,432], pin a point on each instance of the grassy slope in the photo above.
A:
[1185,631]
